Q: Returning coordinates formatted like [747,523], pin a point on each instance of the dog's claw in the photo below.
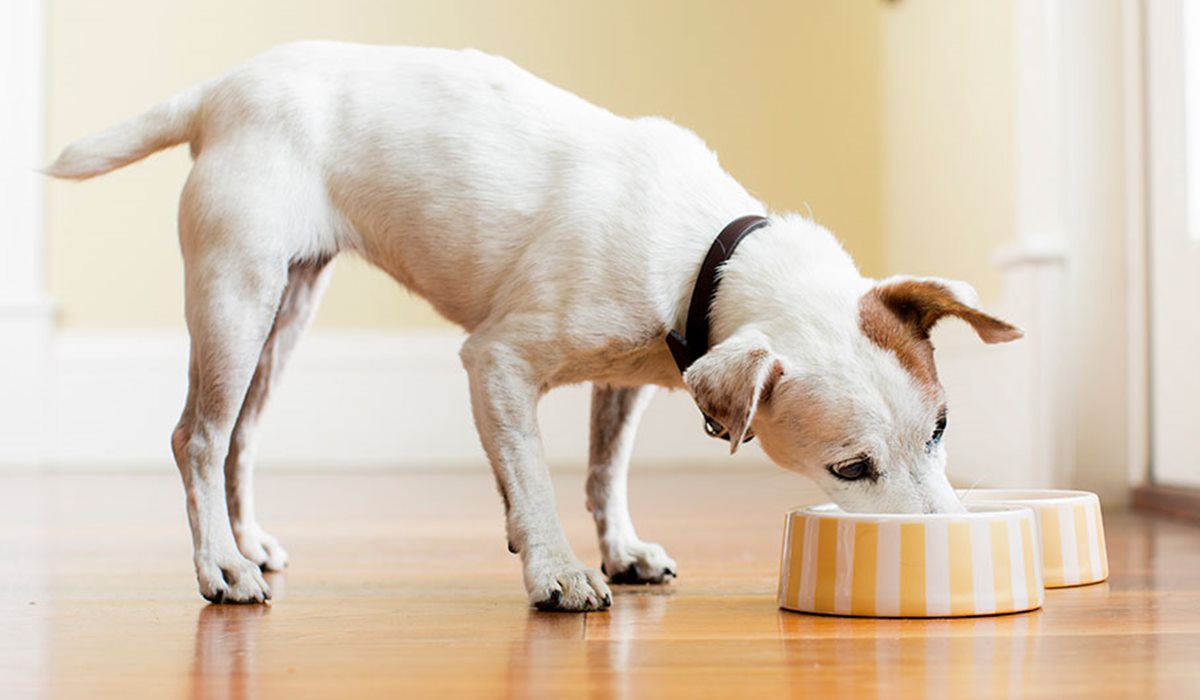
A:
[632,576]
[512,548]
[638,562]
[629,575]
[552,603]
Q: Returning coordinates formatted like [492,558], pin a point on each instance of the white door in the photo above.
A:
[1173,126]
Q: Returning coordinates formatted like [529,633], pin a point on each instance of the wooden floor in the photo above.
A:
[400,586]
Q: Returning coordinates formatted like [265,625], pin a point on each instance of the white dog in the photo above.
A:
[566,240]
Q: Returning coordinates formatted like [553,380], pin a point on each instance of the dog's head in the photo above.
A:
[849,396]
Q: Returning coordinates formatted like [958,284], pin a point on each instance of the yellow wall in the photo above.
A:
[949,72]
[788,92]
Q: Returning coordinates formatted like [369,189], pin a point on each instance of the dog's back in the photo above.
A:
[457,159]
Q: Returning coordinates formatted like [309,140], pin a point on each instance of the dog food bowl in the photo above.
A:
[982,562]
[1072,532]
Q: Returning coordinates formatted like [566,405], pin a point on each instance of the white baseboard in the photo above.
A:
[363,400]
[25,339]
[392,400]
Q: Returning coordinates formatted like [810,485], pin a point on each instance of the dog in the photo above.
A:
[566,241]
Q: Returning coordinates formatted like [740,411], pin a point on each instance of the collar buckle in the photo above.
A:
[691,345]
[716,430]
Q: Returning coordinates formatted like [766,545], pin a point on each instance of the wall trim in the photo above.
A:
[397,400]
[1134,142]
[26,314]
[349,399]
[1079,163]
[1033,289]
[22,146]
[1174,501]
[1034,264]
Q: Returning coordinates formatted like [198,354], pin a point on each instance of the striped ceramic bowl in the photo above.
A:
[982,562]
[1072,532]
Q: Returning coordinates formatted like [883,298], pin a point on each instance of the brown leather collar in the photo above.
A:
[691,346]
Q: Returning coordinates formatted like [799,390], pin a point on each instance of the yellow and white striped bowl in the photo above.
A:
[982,562]
[1072,532]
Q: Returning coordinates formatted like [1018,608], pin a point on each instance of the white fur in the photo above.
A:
[565,240]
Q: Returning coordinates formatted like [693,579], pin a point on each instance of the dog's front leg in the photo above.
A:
[627,559]
[504,395]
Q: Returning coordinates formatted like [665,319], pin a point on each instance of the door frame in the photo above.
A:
[26,313]
[1137,239]
[1176,501]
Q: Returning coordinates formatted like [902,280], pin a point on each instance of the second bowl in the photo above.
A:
[1070,527]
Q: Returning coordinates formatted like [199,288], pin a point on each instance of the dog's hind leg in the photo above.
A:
[627,559]
[236,269]
[306,283]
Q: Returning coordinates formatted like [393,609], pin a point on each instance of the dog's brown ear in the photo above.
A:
[920,302]
[732,380]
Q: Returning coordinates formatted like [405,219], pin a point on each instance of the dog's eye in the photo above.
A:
[938,429]
[860,467]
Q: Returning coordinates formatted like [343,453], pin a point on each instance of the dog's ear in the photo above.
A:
[921,302]
[732,380]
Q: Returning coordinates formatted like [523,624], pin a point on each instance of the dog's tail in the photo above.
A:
[166,124]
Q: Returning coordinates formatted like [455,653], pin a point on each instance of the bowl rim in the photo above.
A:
[979,511]
[1032,497]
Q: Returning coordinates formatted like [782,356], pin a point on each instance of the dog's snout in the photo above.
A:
[943,503]
[938,496]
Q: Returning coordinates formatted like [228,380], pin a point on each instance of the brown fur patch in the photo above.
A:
[898,315]
[922,303]
[891,331]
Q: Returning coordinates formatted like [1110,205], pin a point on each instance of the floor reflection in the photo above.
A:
[931,658]
[828,656]
[548,653]
[637,615]
[223,659]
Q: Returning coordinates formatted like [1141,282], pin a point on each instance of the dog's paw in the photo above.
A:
[561,583]
[231,579]
[637,562]
[260,547]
